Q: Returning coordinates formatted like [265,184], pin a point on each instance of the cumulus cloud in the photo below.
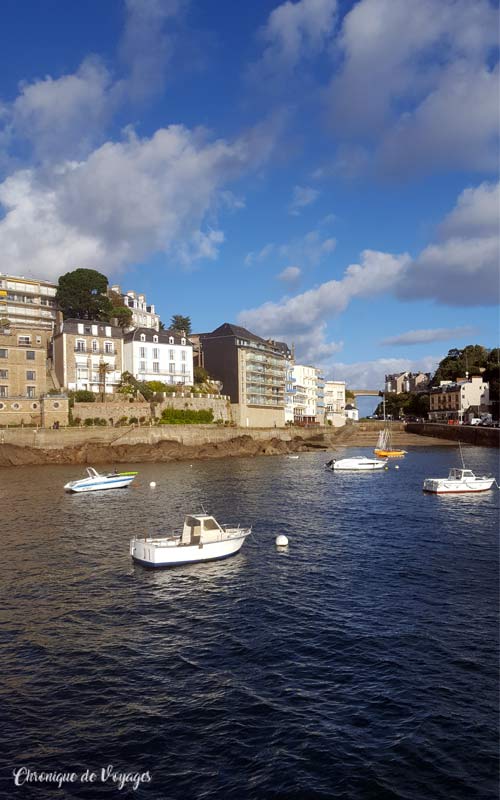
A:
[378,272]
[63,117]
[426,335]
[461,267]
[126,201]
[371,374]
[302,196]
[425,93]
[294,32]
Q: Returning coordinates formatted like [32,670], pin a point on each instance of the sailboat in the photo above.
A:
[384,448]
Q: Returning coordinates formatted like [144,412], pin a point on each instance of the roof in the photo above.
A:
[71,326]
[228,329]
[162,337]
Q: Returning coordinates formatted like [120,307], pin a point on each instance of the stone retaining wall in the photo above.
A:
[470,434]
[115,411]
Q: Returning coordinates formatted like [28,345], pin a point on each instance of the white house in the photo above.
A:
[335,403]
[143,315]
[351,412]
[304,402]
[165,356]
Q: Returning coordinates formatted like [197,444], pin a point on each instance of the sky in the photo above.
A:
[322,172]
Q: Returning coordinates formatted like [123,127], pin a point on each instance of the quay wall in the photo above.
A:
[469,434]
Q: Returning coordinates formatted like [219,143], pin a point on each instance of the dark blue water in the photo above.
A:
[362,663]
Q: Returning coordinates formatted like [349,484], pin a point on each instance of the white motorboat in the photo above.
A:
[358,463]
[459,481]
[201,539]
[95,482]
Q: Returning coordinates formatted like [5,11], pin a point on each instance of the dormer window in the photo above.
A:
[170,339]
[155,338]
[183,341]
[143,337]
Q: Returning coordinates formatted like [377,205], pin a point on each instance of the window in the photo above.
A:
[4,374]
[142,366]
[87,329]
[171,355]
[4,391]
[155,338]
[95,345]
[31,375]
[31,391]
[143,337]
[24,340]
[183,369]
[80,346]
[3,353]
[39,340]
[30,355]
[183,355]
[183,341]
[170,339]
[142,352]
[108,347]
[172,367]
[156,353]
[156,366]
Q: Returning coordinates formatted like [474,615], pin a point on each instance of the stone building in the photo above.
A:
[88,355]
[407,382]
[452,400]
[23,362]
[143,315]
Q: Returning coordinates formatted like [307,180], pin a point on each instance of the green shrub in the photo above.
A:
[175,416]
[84,396]
[133,421]
[88,422]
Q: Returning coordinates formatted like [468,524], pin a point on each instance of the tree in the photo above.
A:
[161,326]
[471,359]
[200,375]
[104,369]
[82,294]
[120,312]
[181,324]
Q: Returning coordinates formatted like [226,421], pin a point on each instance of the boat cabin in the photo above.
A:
[460,474]
[200,529]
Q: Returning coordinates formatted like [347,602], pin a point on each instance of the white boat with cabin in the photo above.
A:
[95,482]
[202,539]
[459,481]
[357,463]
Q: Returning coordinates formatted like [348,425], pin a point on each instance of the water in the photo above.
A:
[361,663]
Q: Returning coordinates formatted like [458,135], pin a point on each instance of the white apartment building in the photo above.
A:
[165,356]
[304,399]
[88,355]
[143,315]
[28,303]
[335,403]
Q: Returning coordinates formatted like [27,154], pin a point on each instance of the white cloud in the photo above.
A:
[371,374]
[294,32]
[290,275]
[461,268]
[126,201]
[421,89]
[63,117]
[426,335]
[377,273]
[302,196]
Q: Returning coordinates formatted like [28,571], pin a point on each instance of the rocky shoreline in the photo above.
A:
[240,443]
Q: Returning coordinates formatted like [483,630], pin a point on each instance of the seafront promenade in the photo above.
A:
[193,442]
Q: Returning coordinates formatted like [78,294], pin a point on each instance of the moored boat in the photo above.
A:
[358,463]
[202,539]
[95,482]
[384,448]
[459,481]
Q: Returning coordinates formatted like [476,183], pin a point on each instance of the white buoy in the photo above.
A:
[281,541]
[396,466]
[152,485]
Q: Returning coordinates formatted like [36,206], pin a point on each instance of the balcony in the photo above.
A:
[83,351]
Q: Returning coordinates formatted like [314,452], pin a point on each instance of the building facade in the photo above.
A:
[88,355]
[165,356]
[28,303]
[252,371]
[454,400]
[304,395]
[143,315]
[335,403]
[404,382]
[23,363]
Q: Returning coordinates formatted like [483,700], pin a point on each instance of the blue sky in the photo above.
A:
[322,172]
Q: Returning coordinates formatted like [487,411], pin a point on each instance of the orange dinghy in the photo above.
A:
[384,449]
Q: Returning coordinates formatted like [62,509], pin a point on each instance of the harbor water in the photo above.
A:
[360,662]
